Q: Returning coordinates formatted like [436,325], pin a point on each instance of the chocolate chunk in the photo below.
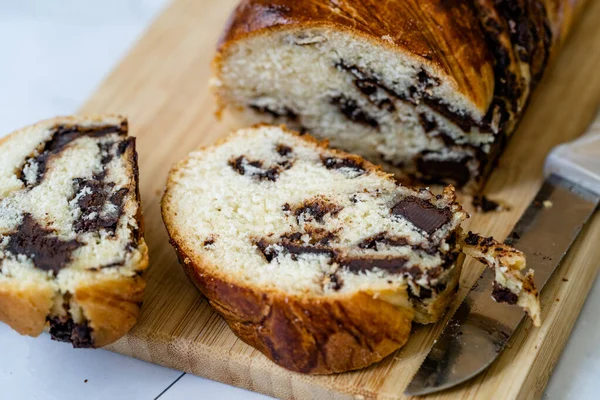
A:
[209,241]
[283,112]
[94,195]
[427,81]
[462,120]
[383,238]
[266,249]
[317,208]
[48,253]
[336,281]
[105,148]
[427,122]
[350,108]
[369,85]
[472,239]
[283,150]
[393,265]
[270,251]
[271,174]
[295,236]
[504,295]
[340,163]
[438,171]
[240,165]
[60,139]
[124,145]
[296,249]
[422,214]
[292,243]
[424,293]
[483,204]
[65,330]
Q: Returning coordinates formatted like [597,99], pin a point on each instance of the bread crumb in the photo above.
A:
[547,204]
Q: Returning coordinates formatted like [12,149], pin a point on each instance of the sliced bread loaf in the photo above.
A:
[315,256]
[429,88]
[72,254]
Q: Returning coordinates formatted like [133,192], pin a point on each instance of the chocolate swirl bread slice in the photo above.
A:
[427,88]
[72,254]
[314,256]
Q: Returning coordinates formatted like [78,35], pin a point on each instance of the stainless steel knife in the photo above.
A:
[480,327]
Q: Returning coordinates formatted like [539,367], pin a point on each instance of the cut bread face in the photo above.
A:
[364,97]
[429,90]
[72,254]
[271,224]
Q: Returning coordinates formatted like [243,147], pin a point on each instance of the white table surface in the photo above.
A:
[53,53]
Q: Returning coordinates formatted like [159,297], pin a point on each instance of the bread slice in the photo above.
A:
[72,252]
[427,88]
[315,256]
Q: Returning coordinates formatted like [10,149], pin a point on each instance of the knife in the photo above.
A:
[480,328]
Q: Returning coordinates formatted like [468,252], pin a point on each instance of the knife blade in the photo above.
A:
[480,328]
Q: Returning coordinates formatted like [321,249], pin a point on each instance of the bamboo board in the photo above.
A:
[161,85]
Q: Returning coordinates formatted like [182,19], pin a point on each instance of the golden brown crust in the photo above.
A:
[308,335]
[458,51]
[25,307]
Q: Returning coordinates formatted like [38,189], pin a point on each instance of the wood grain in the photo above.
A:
[161,85]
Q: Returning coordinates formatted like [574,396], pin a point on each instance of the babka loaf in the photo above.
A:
[72,254]
[429,89]
[316,257]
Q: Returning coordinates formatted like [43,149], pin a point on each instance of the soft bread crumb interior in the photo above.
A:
[218,214]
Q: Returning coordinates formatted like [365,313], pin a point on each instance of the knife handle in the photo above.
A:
[578,161]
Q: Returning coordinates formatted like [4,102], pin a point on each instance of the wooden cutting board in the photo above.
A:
[161,85]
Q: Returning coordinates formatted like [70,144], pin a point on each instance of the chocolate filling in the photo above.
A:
[96,196]
[293,246]
[368,85]
[350,108]
[368,82]
[317,208]
[393,265]
[427,122]
[425,293]
[65,330]
[434,170]
[422,214]
[48,252]
[383,238]
[336,281]
[504,295]
[343,163]
[283,150]
[241,166]
[284,112]
[60,139]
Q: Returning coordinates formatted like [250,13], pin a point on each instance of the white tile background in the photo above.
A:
[53,53]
